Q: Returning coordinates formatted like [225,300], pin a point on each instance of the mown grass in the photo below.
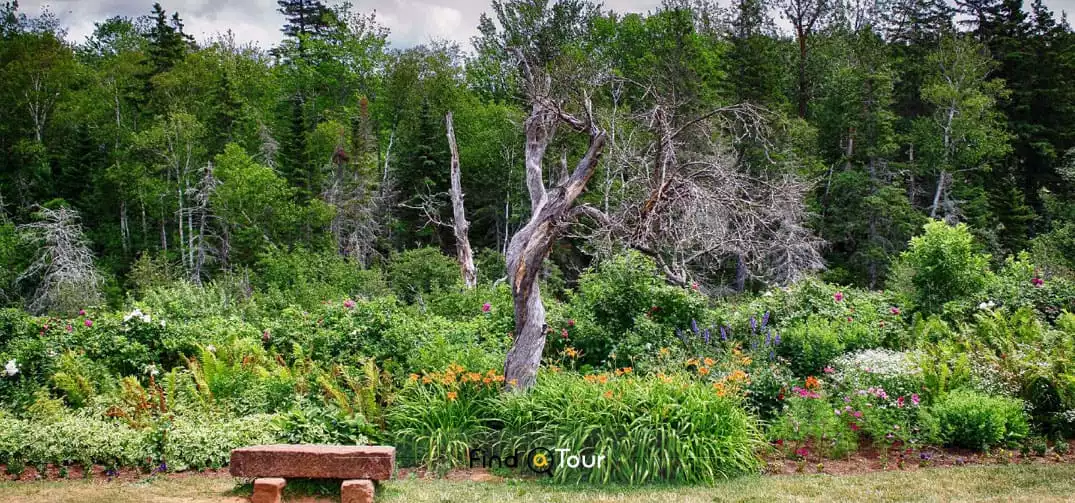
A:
[1029,483]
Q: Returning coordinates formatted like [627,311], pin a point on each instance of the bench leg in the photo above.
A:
[268,490]
[356,491]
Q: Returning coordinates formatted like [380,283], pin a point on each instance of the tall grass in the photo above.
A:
[651,429]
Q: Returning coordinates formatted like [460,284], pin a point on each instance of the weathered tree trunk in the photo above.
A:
[530,246]
[459,218]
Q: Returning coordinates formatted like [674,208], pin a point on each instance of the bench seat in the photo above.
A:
[314,462]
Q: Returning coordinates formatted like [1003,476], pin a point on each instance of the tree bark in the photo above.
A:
[459,218]
[531,245]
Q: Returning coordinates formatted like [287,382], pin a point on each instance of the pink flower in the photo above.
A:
[837,411]
[855,427]
[802,452]
[82,312]
[857,414]
[850,319]
[88,322]
[69,328]
[570,323]
[1037,282]
[486,307]
[838,296]
[349,303]
[563,333]
[829,370]
[899,402]
[914,398]
[895,311]
[265,336]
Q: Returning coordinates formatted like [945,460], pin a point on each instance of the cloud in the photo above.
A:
[410,21]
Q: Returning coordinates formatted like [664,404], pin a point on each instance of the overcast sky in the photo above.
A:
[411,21]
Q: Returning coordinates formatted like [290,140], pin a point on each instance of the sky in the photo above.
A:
[411,21]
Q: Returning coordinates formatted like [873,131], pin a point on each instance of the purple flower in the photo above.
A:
[82,312]
[88,322]
[486,307]
[838,296]
[765,319]
[694,326]
[776,340]
[723,333]
[1037,282]
[753,324]
[705,335]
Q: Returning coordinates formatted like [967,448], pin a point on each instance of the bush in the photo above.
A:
[306,278]
[976,421]
[945,266]
[894,371]
[414,274]
[809,347]
[649,429]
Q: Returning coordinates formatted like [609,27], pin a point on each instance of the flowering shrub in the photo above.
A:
[894,371]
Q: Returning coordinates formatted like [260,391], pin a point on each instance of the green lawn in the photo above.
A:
[1035,483]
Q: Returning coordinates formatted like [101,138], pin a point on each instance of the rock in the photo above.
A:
[268,490]
[314,462]
[357,491]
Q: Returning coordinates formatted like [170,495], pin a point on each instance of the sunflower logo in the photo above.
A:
[539,460]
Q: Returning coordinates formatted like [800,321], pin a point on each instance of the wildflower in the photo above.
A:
[603,379]
[69,329]
[855,427]
[486,307]
[709,361]
[705,335]
[608,394]
[265,336]
[895,311]
[850,319]
[776,339]
[829,370]
[426,379]
[88,322]
[1037,282]
[694,326]
[838,296]
[571,352]
[857,414]
[664,351]
[11,368]
[414,377]
[812,383]
[703,370]
[985,306]
[899,402]
[723,333]
[211,348]
[152,370]
[802,452]
[563,333]
[753,324]
[571,322]
[163,467]
[349,303]
[836,411]
[82,312]
[914,398]
[452,396]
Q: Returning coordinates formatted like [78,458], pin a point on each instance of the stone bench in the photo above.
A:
[358,466]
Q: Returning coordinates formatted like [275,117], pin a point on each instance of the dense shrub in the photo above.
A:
[943,265]
[307,278]
[973,420]
[414,274]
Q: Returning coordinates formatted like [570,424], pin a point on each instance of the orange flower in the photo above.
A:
[664,352]
[487,380]
[709,362]
[474,376]
[692,361]
[628,370]
[602,378]
[499,379]
[703,370]
[608,394]
[414,377]
[513,382]
[427,380]
[721,389]
[452,396]
[812,383]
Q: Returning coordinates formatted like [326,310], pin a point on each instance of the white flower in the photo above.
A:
[133,314]
[145,318]
[985,306]
[767,294]
[162,323]
[211,348]
[152,370]
[11,368]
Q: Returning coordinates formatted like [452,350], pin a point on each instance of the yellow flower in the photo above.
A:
[665,352]
[414,377]
[513,382]
[452,396]
[692,361]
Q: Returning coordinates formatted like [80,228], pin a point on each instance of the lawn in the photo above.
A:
[1037,483]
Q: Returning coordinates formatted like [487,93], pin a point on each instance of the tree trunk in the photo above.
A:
[459,218]
[937,194]
[531,245]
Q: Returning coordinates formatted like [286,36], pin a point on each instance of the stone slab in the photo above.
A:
[314,462]
[268,490]
[357,491]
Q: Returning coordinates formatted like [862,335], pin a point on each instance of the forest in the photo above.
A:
[807,224]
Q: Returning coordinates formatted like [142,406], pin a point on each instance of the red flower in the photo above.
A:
[570,323]
[1037,282]
[802,452]
[780,442]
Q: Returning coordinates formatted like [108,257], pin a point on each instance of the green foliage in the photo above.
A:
[649,429]
[306,278]
[946,267]
[414,274]
[976,421]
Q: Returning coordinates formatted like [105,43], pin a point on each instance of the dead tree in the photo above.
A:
[550,210]
[459,218]
[67,277]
